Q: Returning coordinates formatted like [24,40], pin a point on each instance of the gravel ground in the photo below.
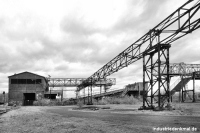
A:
[118,119]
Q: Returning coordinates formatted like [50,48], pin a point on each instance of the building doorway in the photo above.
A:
[29,98]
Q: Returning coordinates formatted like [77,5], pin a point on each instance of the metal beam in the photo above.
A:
[74,82]
[182,68]
[180,23]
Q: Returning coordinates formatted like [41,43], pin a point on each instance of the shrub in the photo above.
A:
[69,102]
[15,103]
[47,102]
[53,102]
[119,100]
[42,102]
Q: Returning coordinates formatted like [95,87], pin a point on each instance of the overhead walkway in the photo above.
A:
[75,82]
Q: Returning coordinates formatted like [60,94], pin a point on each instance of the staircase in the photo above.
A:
[176,87]
[180,85]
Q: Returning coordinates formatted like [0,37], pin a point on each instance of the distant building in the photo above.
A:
[26,87]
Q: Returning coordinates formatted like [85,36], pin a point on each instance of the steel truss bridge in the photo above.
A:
[182,68]
[74,82]
[175,69]
[153,49]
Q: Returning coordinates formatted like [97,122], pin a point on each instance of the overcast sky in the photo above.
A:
[74,38]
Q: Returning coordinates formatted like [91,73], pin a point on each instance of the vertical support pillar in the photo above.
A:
[144,91]
[151,81]
[180,92]
[183,92]
[62,95]
[91,95]
[88,95]
[168,78]
[171,98]
[100,91]
[157,73]
[159,76]
[152,68]
[194,100]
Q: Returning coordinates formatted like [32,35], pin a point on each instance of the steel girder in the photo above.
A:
[181,22]
[182,68]
[75,82]
[155,63]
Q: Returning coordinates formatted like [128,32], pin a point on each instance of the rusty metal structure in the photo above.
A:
[80,82]
[153,48]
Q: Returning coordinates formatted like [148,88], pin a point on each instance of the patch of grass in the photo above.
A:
[80,104]
[99,102]
[69,102]
[54,102]
[15,103]
[179,107]
[116,100]
[121,100]
[47,102]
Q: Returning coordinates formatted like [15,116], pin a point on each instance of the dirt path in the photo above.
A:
[118,119]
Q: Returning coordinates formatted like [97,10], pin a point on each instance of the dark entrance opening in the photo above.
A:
[29,98]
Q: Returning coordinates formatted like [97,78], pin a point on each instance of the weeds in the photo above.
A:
[117,100]
[80,104]
[53,102]
[15,103]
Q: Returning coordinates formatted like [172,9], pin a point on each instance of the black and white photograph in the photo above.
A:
[99,66]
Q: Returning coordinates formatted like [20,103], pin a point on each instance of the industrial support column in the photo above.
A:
[156,71]
[100,92]
[183,90]
[91,92]
[159,76]
[88,95]
[194,74]
[91,95]
[144,91]
[151,80]
[168,78]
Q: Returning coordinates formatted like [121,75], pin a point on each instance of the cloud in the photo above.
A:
[76,38]
[77,26]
